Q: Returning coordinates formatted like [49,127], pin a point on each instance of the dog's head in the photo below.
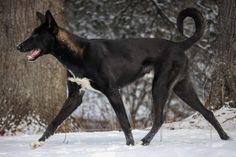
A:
[42,39]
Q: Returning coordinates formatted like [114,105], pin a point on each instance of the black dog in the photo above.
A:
[107,65]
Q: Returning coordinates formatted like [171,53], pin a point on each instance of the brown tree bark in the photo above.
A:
[224,81]
[27,87]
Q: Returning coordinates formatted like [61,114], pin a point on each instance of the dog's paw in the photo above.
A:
[139,142]
[224,136]
[36,144]
[142,142]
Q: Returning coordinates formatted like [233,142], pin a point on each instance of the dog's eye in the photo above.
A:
[35,35]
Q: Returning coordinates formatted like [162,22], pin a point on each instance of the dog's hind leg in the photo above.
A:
[186,92]
[73,101]
[164,81]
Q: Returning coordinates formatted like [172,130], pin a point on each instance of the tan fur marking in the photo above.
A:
[66,38]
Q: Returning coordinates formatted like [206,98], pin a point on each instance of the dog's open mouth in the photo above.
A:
[33,54]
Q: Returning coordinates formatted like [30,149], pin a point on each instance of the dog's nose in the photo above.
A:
[18,47]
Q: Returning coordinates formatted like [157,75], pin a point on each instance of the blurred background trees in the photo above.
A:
[37,90]
[223,90]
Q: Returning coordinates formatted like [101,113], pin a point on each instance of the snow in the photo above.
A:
[225,115]
[190,137]
[30,124]
[175,143]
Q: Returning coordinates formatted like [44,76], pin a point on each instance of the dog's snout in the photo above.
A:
[19,47]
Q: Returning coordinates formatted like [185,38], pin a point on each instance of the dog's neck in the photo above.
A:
[69,49]
[69,40]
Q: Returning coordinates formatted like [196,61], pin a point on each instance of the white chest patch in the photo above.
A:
[84,83]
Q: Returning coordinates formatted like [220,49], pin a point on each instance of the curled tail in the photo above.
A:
[199,25]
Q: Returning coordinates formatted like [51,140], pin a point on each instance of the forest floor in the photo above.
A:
[192,137]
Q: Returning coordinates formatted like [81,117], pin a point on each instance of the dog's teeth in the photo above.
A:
[36,144]
[29,57]
[139,143]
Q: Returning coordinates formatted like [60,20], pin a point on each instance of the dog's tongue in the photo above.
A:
[33,54]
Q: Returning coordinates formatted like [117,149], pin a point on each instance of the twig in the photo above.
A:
[229,119]
[162,14]
[64,141]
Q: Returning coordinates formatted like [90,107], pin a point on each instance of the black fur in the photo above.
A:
[112,64]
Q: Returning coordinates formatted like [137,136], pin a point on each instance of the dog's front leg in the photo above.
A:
[114,98]
[72,102]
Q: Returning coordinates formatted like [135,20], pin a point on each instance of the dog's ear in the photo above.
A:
[40,17]
[51,23]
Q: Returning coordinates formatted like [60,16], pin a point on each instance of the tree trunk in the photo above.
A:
[224,85]
[27,87]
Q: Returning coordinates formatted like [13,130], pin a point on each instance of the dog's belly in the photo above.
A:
[129,75]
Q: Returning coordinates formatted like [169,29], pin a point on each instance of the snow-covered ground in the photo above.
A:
[175,143]
[181,139]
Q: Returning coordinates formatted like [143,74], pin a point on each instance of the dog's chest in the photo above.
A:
[83,82]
